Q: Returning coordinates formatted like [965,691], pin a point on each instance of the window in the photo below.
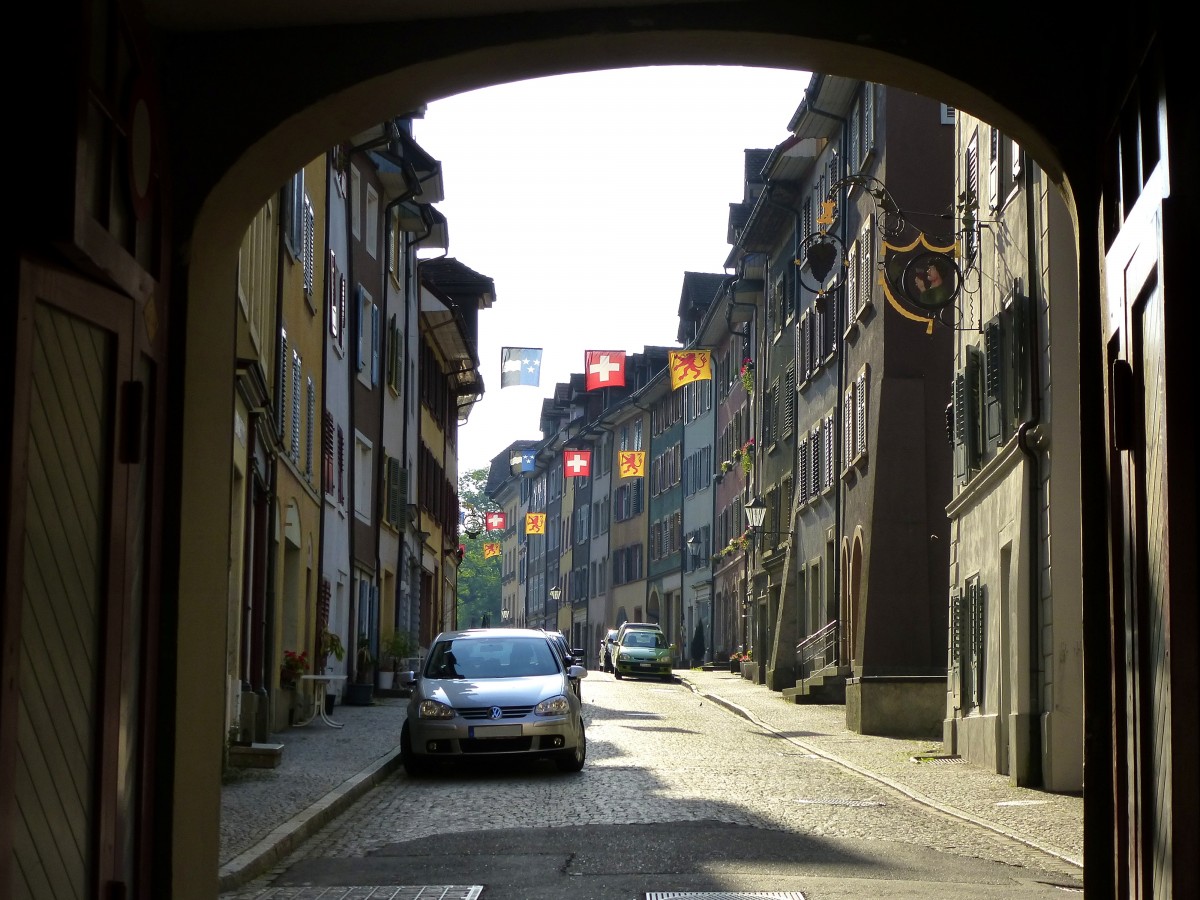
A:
[363,480]
[368,339]
[328,437]
[309,251]
[355,202]
[331,300]
[294,224]
[394,356]
[371,242]
[397,492]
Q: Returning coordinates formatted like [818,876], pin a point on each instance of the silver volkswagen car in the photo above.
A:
[493,693]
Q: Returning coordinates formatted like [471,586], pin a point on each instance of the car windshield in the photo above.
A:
[654,639]
[501,657]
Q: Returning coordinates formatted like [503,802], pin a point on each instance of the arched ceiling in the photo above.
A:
[255,90]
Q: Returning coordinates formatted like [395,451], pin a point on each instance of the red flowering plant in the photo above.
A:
[747,374]
[747,456]
[294,665]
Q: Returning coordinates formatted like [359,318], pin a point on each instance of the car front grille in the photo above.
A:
[476,713]
[496,745]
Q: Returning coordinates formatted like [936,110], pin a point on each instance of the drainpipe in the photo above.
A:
[1025,439]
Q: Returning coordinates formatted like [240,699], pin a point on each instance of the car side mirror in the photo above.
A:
[577,672]
[408,678]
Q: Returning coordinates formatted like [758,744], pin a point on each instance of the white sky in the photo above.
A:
[585,198]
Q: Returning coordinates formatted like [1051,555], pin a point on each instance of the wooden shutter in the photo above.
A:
[848,428]
[956,648]
[802,467]
[281,371]
[860,413]
[296,373]
[959,426]
[309,426]
[993,382]
[866,263]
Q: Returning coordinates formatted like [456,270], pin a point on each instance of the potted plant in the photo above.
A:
[395,649]
[747,374]
[330,645]
[361,691]
[294,665]
[747,455]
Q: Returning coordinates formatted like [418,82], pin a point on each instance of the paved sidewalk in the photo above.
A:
[1050,822]
[267,813]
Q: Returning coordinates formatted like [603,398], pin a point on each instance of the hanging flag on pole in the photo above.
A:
[577,463]
[535,523]
[688,366]
[495,521]
[632,463]
[490,549]
[604,368]
[520,365]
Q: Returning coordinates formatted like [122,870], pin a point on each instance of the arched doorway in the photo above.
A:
[274,118]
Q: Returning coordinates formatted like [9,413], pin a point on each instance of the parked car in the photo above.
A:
[492,693]
[636,626]
[570,656]
[608,645]
[643,652]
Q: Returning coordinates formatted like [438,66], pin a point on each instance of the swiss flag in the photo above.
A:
[495,521]
[604,368]
[577,463]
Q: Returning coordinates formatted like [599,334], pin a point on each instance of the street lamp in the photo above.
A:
[756,511]
[555,594]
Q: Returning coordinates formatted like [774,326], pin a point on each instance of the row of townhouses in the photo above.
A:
[869,502]
[357,362]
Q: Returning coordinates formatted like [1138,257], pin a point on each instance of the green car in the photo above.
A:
[645,653]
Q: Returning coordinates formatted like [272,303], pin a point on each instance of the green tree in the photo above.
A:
[478,578]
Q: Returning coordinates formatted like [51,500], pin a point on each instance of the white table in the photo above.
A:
[322,683]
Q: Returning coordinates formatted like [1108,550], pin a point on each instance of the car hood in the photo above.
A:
[645,652]
[458,692]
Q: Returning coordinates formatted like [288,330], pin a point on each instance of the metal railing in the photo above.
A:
[818,650]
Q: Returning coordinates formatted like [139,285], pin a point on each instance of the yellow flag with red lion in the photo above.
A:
[688,366]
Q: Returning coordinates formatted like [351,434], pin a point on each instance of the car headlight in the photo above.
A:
[553,706]
[432,709]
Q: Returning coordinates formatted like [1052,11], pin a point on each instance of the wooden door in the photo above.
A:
[1152,636]
[76,771]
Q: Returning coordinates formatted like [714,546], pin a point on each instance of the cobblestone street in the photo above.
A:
[662,754]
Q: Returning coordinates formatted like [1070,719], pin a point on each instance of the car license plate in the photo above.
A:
[493,731]
[643,665]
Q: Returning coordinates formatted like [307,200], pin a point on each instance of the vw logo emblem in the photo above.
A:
[496,712]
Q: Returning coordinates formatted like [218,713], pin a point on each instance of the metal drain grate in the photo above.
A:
[941,760]
[725,895]
[365,892]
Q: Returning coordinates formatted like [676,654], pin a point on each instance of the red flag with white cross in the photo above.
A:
[577,463]
[495,521]
[604,368]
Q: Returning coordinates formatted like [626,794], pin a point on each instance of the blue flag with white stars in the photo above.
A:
[520,365]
